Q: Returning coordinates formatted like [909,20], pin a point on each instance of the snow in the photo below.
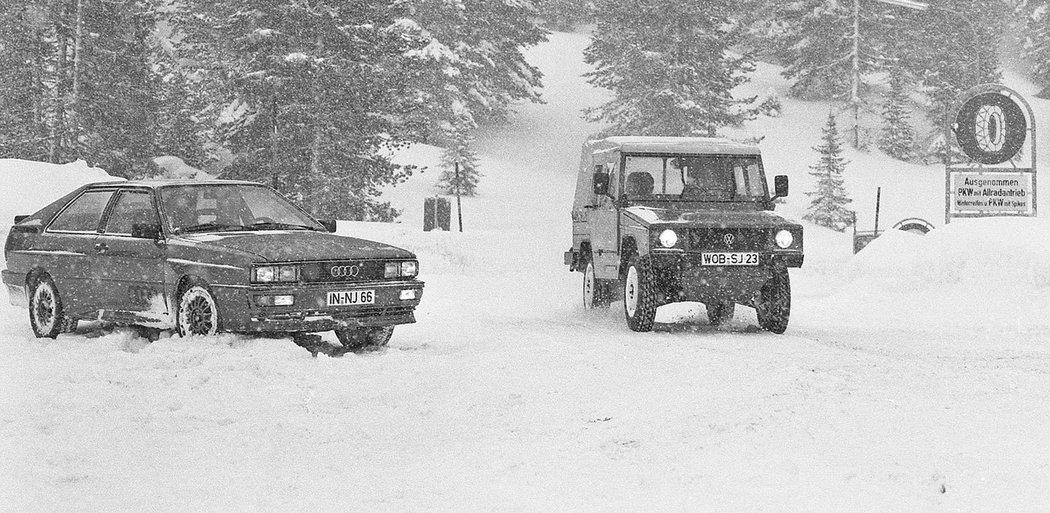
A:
[913,376]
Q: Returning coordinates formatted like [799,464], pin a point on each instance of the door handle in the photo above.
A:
[101,247]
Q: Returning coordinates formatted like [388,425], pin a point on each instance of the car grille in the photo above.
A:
[348,271]
[728,239]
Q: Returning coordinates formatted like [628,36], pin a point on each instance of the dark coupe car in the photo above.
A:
[203,257]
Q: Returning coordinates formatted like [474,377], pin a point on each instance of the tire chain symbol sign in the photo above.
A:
[991,128]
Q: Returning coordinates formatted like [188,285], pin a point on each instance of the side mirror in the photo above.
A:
[329,224]
[780,186]
[601,183]
[146,231]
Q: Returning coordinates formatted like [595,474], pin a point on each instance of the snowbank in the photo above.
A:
[30,185]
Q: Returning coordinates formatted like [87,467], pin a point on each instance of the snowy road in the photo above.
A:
[899,386]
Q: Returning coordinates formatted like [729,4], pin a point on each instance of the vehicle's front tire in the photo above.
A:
[357,339]
[639,295]
[720,312]
[597,293]
[773,306]
[197,313]
[46,314]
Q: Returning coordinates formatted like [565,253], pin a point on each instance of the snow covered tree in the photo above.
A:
[318,95]
[1036,41]
[898,137]
[565,15]
[24,95]
[458,151]
[828,207]
[668,65]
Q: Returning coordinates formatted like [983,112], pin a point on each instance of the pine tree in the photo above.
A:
[1036,41]
[828,207]
[319,94]
[458,151]
[565,15]
[898,138]
[669,67]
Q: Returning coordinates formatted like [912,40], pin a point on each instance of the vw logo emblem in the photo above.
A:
[728,238]
[343,271]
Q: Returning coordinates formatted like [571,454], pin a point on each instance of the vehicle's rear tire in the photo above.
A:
[597,293]
[46,313]
[358,339]
[639,295]
[773,306]
[197,312]
[720,312]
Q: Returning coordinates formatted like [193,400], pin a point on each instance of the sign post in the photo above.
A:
[995,175]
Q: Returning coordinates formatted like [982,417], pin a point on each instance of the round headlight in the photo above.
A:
[784,239]
[668,238]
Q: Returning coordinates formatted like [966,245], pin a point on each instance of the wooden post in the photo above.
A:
[459,204]
[878,201]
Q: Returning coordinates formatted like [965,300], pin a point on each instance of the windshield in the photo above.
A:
[228,207]
[695,178]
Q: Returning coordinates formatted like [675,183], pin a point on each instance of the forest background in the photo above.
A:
[313,97]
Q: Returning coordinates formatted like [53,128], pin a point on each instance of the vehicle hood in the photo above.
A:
[714,217]
[291,246]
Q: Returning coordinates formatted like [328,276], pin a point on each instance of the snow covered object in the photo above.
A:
[203,257]
[669,219]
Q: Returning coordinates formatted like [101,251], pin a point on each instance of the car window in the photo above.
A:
[195,208]
[83,214]
[132,207]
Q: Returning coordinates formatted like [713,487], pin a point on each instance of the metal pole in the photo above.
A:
[878,202]
[273,140]
[459,205]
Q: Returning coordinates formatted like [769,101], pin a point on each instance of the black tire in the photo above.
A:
[357,339]
[639,294]
[720,312]
[46,314]
[597,293]
[773,306]
[197,314]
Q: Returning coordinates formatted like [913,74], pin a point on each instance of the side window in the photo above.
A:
[132,207]
[83,214]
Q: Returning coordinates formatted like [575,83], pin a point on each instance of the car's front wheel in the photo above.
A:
[720,312]
[198,313]
[46,314]
[639,295]
[773,306]
[357,339]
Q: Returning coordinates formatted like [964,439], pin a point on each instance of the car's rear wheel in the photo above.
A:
[198,313]
[639,295]
[46,314]
[357,339]
[720,312]
[597,293]
[773,306]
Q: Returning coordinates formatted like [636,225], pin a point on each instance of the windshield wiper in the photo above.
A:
[270,225]
[210,227]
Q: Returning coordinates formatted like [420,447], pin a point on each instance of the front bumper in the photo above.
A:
[16,287]
[684,278]
[239,311]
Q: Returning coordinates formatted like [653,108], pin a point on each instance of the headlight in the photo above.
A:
[668,238]
[784,239]
[407,269]
[275,273]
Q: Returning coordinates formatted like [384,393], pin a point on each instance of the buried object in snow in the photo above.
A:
[203,257]
[658,220]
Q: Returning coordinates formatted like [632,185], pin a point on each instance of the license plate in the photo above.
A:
[729,258]
[351,297]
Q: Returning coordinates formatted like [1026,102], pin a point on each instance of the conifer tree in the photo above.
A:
[898,137]
[828,207]
[458,151]
[668,65]
[1036,41]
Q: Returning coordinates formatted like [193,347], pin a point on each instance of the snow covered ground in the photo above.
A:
[914,376]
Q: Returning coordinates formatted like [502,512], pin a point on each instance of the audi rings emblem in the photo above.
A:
[344,271]
[728,238]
